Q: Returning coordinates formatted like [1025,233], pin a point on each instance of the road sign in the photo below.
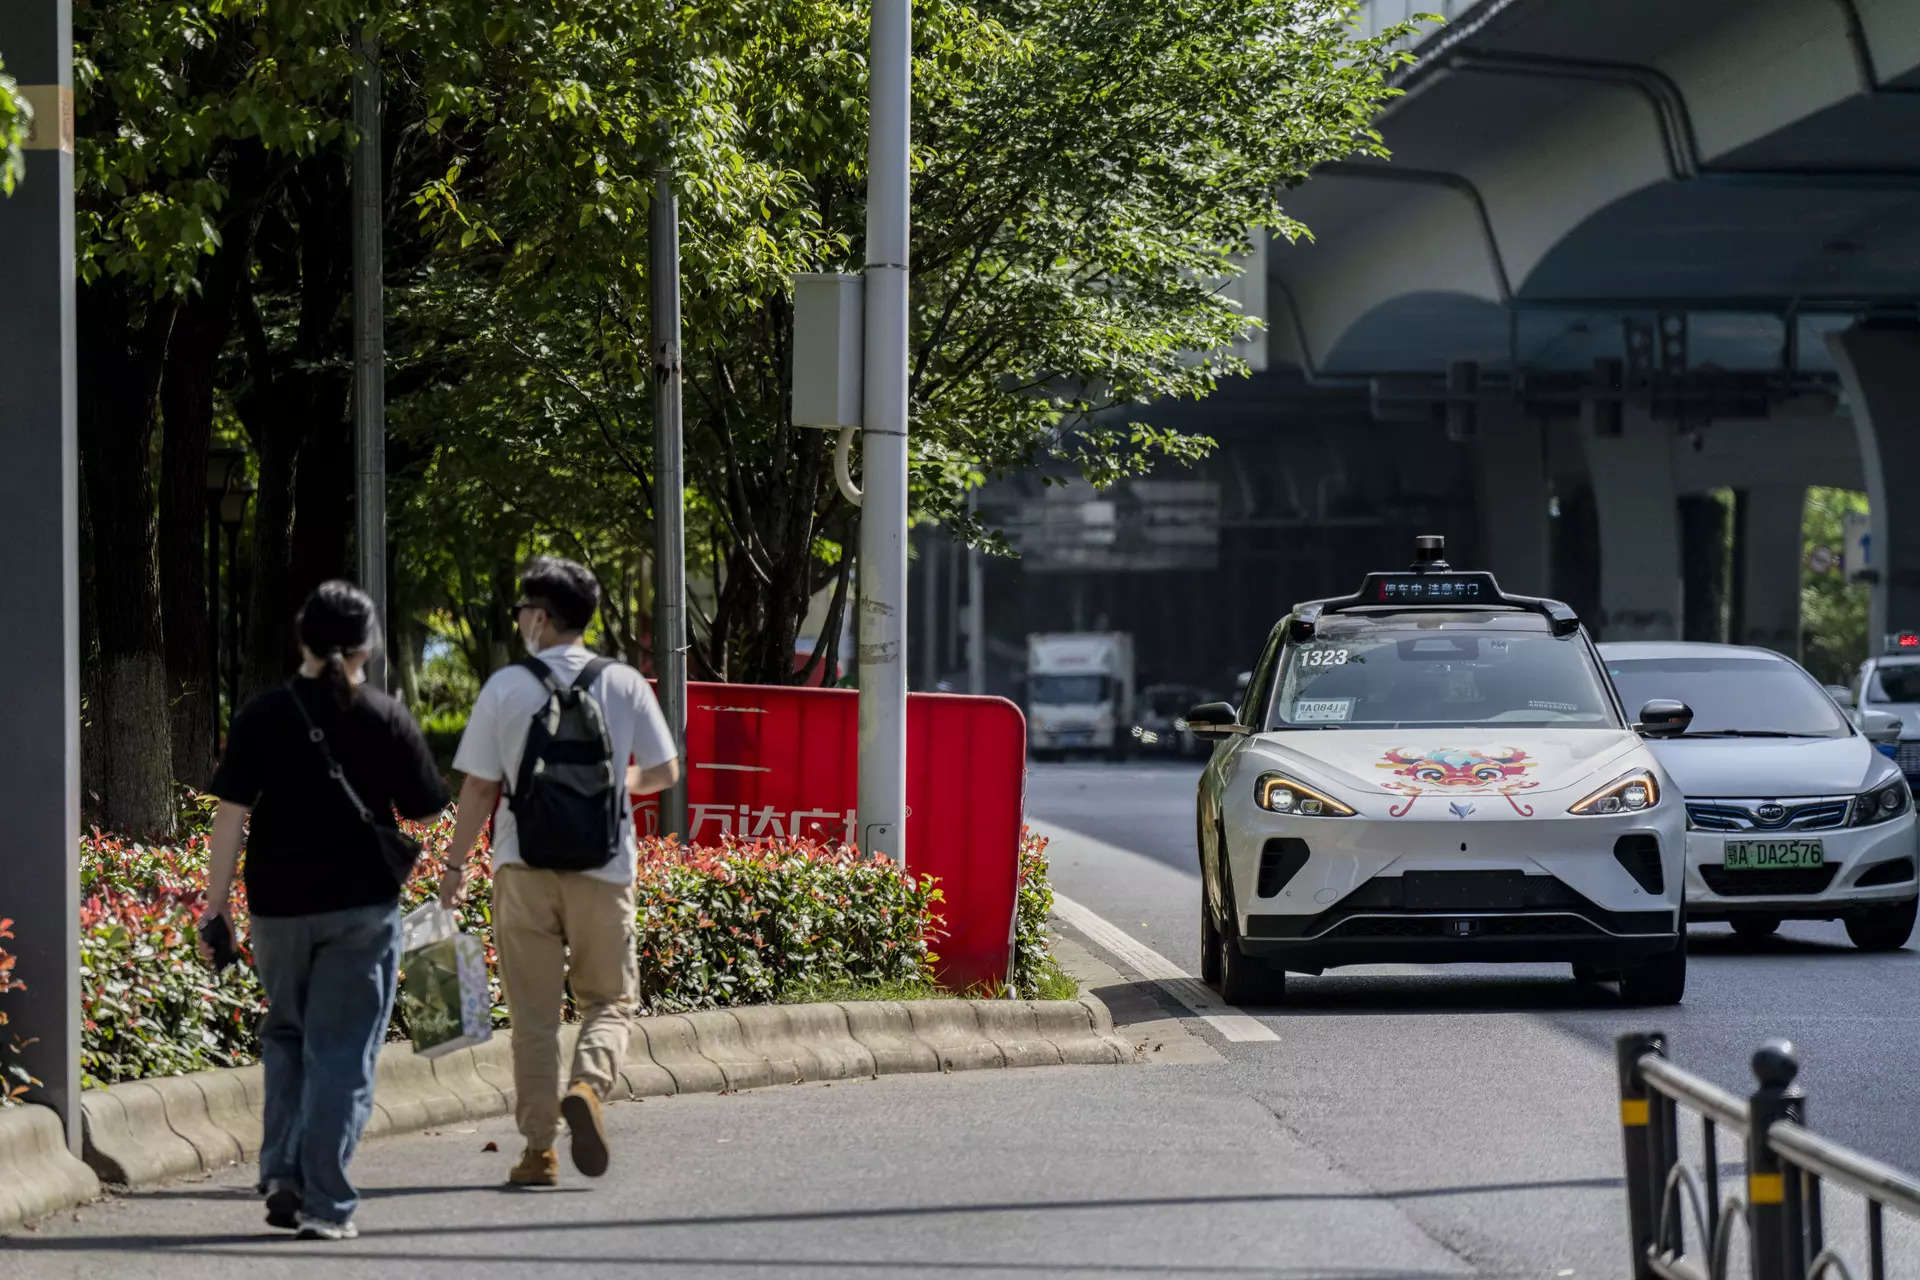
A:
[1821,560]
[1856,545]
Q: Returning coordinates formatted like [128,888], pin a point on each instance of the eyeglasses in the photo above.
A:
[522,606]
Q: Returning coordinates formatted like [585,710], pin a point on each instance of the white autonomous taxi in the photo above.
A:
[1431,770]
[1791,812]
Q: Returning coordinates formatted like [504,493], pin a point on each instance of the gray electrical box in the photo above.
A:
[829,336]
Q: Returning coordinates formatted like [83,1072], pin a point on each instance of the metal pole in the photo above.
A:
[669,494]
[883,511]
[213,620]
[930,554]
[233,619]
[976,617]
[39,513]
[369,344]
[1636,1142]
[1773,1192]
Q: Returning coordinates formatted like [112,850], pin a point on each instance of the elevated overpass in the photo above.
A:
[1644,248]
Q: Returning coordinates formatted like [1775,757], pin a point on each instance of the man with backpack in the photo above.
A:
[555,733]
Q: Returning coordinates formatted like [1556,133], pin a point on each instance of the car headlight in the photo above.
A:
[1281,794]
[1882,803]
[1631,794]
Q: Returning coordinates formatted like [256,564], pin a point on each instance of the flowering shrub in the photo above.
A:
[1032,957]
[736,924]
[740,923]
[14,1080]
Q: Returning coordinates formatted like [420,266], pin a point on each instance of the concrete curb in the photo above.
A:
[146,1131]
[38,1175]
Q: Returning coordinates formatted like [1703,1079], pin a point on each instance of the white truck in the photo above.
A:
[1079,692]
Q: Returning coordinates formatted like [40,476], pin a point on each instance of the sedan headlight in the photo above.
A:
[1631,794]
[1281,794]
[1881,803]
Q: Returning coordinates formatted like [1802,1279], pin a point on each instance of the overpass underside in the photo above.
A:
[1628,253]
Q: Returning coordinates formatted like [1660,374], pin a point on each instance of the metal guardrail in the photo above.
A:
[1787,1165]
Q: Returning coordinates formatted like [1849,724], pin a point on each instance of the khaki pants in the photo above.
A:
[552,927]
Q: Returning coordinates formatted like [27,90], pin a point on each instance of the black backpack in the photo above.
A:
[566,801]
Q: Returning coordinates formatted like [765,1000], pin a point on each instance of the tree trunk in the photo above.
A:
[119,383]
[269,647]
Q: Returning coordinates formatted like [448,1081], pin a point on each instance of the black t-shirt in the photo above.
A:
[307,849]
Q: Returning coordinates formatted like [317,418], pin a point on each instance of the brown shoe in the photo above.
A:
[536,1169]
[580,1108]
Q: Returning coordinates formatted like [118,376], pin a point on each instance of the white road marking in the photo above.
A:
[1150,964]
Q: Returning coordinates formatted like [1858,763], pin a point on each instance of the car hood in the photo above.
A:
[1475,761]
[1770,767]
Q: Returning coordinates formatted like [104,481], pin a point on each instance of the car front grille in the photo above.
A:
[1795,881]
[1818,813]
[1907,756]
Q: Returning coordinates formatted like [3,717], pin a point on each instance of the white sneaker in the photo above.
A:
[321,1229]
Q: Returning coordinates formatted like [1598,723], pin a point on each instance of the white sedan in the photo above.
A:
[1431,771]
[1791,812]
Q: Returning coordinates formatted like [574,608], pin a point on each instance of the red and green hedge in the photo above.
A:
[737,924]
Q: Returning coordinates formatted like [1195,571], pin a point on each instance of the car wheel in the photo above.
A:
[1661,980]
[1244,980]
[1883,928]
[1755,926]
[1209,939]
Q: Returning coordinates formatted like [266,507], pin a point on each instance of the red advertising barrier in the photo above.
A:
[768,760]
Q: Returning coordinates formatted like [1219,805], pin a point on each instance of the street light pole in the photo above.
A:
[883,509]
[369,345]
[669,500]
[40,524]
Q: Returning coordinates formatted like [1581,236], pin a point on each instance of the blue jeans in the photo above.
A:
[329,980]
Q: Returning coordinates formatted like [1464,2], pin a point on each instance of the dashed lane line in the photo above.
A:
[1198,998]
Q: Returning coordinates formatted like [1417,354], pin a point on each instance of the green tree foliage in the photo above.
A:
[15,117]
[1833,611]
[1083,178]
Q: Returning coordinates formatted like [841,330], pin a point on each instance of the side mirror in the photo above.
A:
[1213,721]
[1665,718]
[1840,694]
[1880,727]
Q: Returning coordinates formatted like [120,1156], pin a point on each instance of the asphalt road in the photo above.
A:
[1483,1075]
[1401,1122]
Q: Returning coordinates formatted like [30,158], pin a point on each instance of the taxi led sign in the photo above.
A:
[1904,640]
[1430,588]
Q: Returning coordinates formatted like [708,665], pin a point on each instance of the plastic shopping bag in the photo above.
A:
[443,983]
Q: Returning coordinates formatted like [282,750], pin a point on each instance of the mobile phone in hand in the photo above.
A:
[219,940]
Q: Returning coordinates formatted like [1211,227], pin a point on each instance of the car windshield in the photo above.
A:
[1060,691]
[1895,682]
[1403,675]
[1733,695]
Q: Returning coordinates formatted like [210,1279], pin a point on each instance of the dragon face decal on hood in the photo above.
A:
[1500,770]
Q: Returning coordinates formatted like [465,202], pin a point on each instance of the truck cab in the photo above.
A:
[1080,692]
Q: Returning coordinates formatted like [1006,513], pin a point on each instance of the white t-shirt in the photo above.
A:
[496,734]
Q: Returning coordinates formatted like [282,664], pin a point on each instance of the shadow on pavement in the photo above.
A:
[199,1244]
[1356,992]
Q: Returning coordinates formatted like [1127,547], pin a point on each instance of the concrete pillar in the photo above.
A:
[1768,556]
[1879,366]
[1633,491]
[1511,492]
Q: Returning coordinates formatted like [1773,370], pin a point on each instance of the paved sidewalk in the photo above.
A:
[1068,1171]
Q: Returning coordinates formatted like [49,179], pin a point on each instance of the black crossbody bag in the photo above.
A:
[396,851]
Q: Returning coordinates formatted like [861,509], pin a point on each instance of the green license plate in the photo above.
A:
[1772,855]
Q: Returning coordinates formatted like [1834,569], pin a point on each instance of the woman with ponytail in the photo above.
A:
[320,764]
